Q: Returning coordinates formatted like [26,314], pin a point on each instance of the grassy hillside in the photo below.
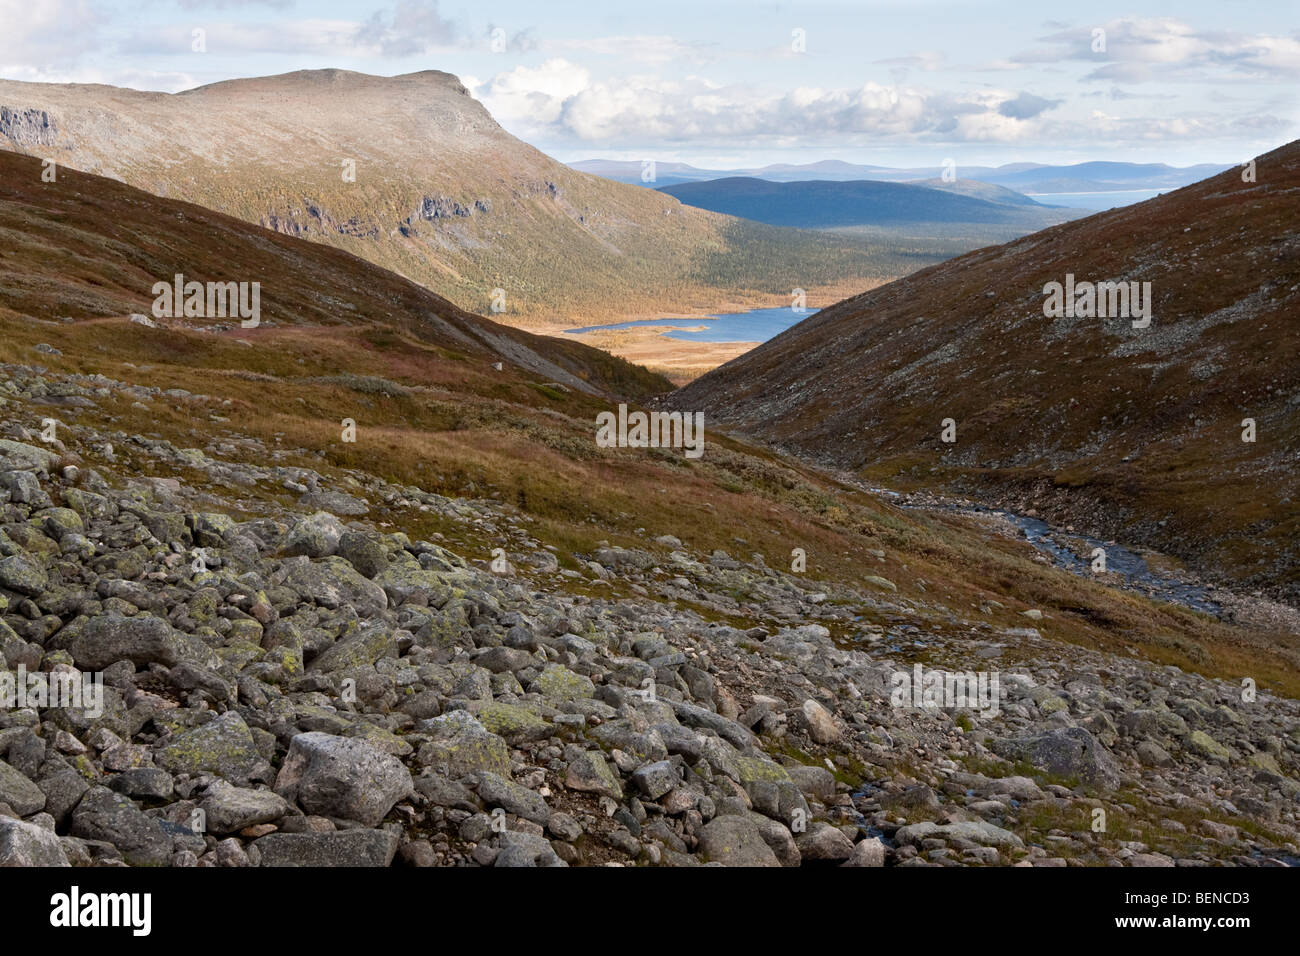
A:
[85,249]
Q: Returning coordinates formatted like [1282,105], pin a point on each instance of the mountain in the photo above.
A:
[87,249]
[819,204]
[1098,177]
[642,174]
[441,194]
[1023,177]
[364,650]
[1135,434]
[979,190]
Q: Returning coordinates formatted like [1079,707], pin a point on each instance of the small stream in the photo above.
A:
[1128,566]
[1131,567]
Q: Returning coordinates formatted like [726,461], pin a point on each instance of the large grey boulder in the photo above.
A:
[230,809]
[822,842]
[19,792]
[365,646]
[25,844]
[976,831]
[316,536]
[735,841]
[21,573]
[142,640]
[333,583]
[18,456]
[497,791]
[342,777]
[526,850]
[1067,752]
[105,815]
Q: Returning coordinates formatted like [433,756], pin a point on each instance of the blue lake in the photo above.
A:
[757,325]
[1097,200]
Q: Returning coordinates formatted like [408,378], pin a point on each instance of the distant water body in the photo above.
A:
[1097,201]
[759,325]
[756,325]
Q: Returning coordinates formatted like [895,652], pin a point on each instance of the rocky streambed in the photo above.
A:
[1108,561]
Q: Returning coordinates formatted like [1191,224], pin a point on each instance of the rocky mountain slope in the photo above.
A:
[440,194]
[1127,432]
[473,637]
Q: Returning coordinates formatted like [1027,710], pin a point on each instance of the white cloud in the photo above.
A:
[327,37]
[406,28]
[410,27]
[45,35]
[561,100]
[1142,49]
[650,49]
[536,94]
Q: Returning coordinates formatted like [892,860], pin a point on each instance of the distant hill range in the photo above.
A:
[1022,177]
[1132,433]
[826,204]
[413,174]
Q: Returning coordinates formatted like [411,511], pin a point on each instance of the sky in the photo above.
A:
[739,83]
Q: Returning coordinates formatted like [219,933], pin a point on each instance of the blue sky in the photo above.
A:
[727,83]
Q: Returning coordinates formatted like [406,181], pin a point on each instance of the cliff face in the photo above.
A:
[27,128]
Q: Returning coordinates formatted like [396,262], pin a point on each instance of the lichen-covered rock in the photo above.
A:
[461,746]
[591,773]
[223,746]
[558,681]
[363,552]
[17,456]
[1198,741]
[497,791]
[516,724]
[19,572]
[333,583]
[366,646]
